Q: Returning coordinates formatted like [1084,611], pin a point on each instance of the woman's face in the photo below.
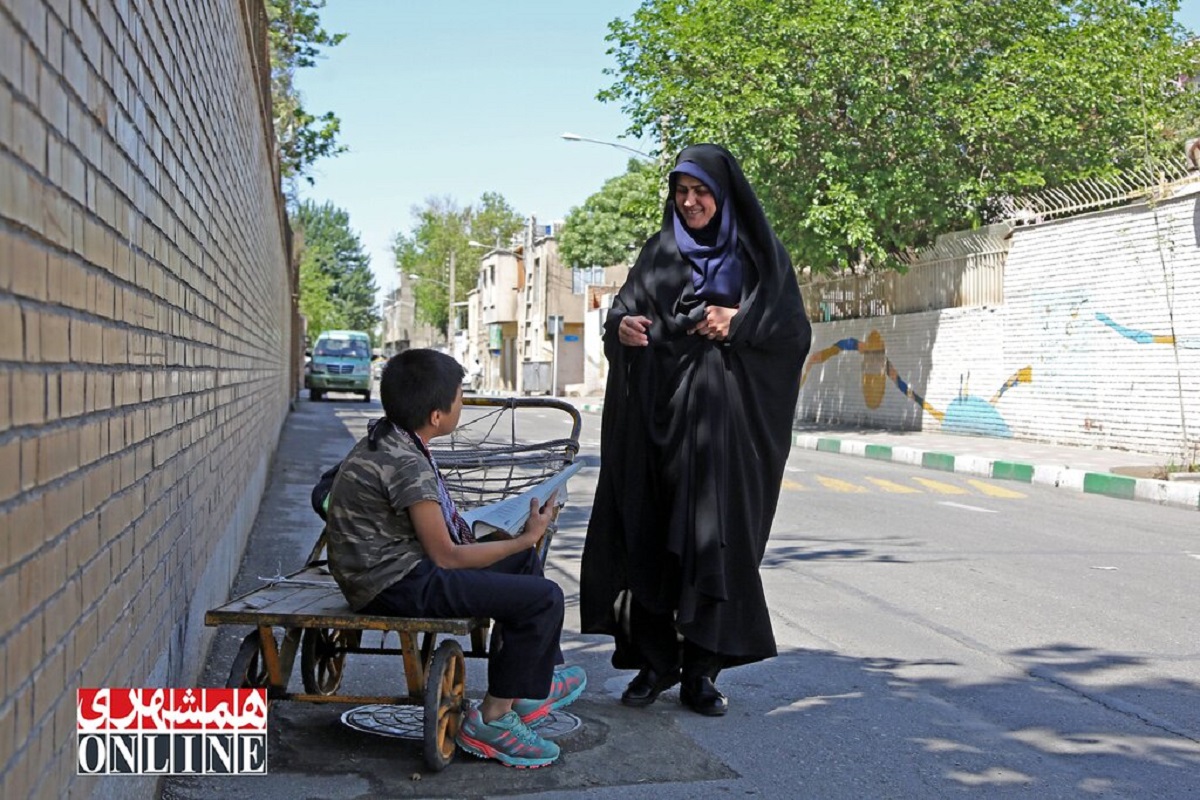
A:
[694,202]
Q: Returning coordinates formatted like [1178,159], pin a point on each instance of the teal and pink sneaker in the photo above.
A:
[566,687]
[507,739]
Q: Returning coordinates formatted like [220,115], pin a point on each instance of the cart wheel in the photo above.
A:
[445,696]
[248,671]
[323,657]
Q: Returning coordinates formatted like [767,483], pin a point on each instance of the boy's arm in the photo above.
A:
[431,530]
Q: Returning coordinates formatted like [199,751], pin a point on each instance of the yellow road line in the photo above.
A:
[792,486]
[939,487]
[991,490]
[840,486]
[894,488]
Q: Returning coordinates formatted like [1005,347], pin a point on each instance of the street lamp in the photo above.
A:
[450,293]
[575,137]
[496,247]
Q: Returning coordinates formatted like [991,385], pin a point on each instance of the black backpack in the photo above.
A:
[320,493]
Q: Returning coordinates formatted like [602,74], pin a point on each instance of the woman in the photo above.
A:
[705,342]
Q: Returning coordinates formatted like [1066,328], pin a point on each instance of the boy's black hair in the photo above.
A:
[416,383]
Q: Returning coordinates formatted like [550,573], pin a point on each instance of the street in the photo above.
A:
[939,636]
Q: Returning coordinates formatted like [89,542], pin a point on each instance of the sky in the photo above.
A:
[454,98]
[460,97]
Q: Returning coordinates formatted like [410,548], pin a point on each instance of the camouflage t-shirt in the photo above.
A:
[369,534]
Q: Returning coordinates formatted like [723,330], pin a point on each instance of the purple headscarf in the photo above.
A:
[716,268]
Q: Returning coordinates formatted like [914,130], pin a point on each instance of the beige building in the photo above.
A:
[400,329]
[525,319]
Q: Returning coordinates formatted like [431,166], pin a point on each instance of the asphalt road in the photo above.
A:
[939,636]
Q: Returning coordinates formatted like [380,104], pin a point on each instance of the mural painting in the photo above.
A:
[966,414]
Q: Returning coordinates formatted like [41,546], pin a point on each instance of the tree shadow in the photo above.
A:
[1057,721]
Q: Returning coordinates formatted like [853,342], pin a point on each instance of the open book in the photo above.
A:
[507,517]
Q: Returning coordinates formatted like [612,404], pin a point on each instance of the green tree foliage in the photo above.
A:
[870,126]
[337,289]
[296,38]
[443,227]
[316,296]
[614,222]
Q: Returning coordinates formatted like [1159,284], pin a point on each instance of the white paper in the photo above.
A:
[509,515]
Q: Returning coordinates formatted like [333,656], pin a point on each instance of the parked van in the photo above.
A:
[341,362]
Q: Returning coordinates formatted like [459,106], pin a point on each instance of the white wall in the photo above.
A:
[1097,343]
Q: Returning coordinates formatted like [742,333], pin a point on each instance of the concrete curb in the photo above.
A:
[1182,494]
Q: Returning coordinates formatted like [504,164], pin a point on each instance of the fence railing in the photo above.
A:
[1145,182]
[962,269]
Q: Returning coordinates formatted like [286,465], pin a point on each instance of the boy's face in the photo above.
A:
[448,420]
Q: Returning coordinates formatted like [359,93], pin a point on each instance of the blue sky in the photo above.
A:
[458,97]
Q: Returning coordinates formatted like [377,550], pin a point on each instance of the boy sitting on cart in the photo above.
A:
[398,547]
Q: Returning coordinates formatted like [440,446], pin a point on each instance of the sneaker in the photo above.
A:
[507,739]
[566,687]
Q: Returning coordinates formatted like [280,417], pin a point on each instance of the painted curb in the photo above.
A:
[1181,494]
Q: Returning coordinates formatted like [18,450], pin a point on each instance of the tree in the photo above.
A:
[301,137]
[336,284]
[443,227]
[316,295]
[612,224]
[870,126]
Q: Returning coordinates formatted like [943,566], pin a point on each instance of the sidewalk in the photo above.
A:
[1115,473]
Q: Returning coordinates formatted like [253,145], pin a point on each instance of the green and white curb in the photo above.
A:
[1168,493]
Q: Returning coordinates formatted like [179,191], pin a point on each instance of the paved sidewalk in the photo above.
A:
[1115,473]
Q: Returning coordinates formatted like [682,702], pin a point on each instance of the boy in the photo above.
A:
[398,547]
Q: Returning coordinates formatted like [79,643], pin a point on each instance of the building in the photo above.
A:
[400,330]
[525,318]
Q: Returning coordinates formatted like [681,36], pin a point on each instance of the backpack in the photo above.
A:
[320,492]
[376,430]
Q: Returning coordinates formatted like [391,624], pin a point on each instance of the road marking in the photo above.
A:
[991,490]
[793,486]
[968,508]
[894,488]
[939,487]
[840,486]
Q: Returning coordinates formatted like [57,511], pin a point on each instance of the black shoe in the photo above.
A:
[646,686]
[701,696]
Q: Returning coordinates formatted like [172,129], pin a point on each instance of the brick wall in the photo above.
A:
[146,329]
[1097,343]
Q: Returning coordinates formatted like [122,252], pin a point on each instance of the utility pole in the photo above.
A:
[450,319]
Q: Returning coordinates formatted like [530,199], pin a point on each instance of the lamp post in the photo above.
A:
[575,137]
[518,377]
[450,302]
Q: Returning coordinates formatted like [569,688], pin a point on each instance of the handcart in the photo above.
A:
[498,451]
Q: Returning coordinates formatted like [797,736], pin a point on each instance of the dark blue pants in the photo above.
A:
[526,609]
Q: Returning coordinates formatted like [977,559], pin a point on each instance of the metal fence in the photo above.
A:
[962,269]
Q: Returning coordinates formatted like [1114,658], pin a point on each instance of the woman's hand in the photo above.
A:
[633,331]
[715,324]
